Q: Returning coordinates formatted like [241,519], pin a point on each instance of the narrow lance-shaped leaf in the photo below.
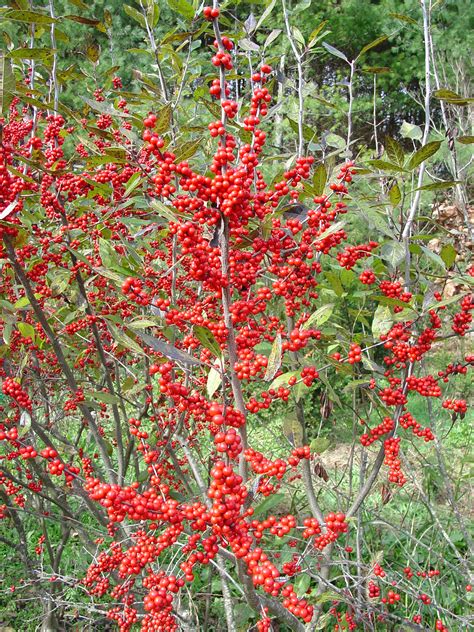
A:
[166,349]
[373,44]
[333,51]
[7,83]
[438,186]
[30,17]
[313,38]
[451,97]
[266,13]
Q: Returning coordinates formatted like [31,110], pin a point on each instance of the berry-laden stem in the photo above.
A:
[224,244]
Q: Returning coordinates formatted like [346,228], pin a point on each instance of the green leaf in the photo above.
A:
[434,257]
[292,429]
[265,14]
[248,46]
[333,51]
[382,321]
[448,254]
[121,338]
[7,83]
[376,70]
[403,18]
[413,132]
[207,339]
[183,8]
[370,365]
[271,37]
[7,332]
[334,140]
[132,183]
[394,151]
[269,503]
[302,583]
[26,330]
[334,228]
[22,302]
[308,133]
[214,380]
[166,349]
[384,165]
[395,195]
[438,186]
[187,149]
[465,140]
[142,323]
[320,316]
[451,97]
[335,282]
[393,253]
[100,396]
[373,44]
[313,38]
[163,119]
[320,445]
[135,15]
[320,177]
[423,154]
[274,359]
[282,380]
[104,108]
[93,52]
[168,212]
[44,55]
[30,17]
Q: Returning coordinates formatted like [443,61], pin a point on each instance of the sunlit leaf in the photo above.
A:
[182,7]
[451,97]
[382,321]
[265,14]
[320,316]
[214,380]
[413,132]
[274,359]
[393,253]
[373,44]
[7,83]
[334,51]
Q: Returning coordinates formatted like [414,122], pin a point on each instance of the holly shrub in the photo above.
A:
[173,297]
